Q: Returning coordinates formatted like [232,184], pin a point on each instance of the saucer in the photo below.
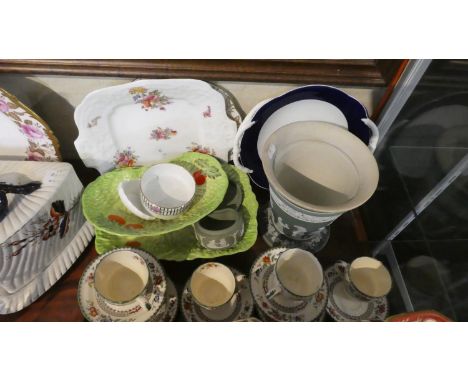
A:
[95,309]
[275,239]
[343,306]
[244,304]
[168,310]
[279,308]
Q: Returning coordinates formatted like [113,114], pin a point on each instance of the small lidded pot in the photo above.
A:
[166,190]
[222,229]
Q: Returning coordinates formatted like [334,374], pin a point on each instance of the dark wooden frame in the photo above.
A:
[364,73]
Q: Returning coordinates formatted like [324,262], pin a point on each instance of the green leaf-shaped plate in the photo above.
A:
[182,245]
[102,206]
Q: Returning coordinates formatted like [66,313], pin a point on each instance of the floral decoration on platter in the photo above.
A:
[125,158]
[94,122]
[45,227]
[40,146]
[197,148]
[162,134]
[149,99]
[207,112]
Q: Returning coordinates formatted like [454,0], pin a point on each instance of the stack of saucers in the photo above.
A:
[126,285]
[288,285]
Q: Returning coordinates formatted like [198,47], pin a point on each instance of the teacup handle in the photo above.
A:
[374,136]
[342,268]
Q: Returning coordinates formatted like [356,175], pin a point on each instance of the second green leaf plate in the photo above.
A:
[103,209]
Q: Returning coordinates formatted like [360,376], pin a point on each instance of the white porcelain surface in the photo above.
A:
[129,193]
[344,306]
[94,308]
[305,110]
[147,121]
[281,308]
[243,306]
[168,186]
[42,234]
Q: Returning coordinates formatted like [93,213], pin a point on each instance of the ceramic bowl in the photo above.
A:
[166,190]
[319,167]
[307,103]
[220,230]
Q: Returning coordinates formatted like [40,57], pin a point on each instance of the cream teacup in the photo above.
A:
[367,278]
[297,275]
[122,280]
[214,288]
[166,190]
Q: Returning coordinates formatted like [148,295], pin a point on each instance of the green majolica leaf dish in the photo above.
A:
[103,208]
[182,244]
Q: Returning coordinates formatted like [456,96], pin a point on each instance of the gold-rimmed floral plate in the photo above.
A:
[279,308]
[243,306]
[95,309]
[103,208]
[147,121]
[23,134]
[343,306]
[182,244]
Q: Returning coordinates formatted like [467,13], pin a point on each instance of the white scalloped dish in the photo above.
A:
[147,121]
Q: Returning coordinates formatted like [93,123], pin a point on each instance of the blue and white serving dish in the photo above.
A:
[308,103]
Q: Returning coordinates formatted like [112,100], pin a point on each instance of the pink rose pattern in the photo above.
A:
[40,147]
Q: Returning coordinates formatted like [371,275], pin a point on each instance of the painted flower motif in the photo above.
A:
[207,113]
[266,260]
[93,311]
[381,308]
[4,106]
[196,148]
[165,134]
[149,99]
[158,280]
[31,131]
[90,279]
[125,158]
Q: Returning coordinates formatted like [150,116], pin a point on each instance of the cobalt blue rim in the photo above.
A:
[352,109]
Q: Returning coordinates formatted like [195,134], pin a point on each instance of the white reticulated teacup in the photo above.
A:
[297,275]
[214,289]
[122,281]
[366,278]
[166,190]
